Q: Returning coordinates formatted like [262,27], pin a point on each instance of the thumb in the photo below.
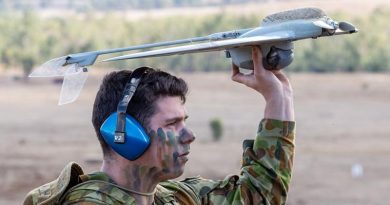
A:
[236,75]
[239,77]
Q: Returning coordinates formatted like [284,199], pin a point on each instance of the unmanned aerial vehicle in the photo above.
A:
[275,36]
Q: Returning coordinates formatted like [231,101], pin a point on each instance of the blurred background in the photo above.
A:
[341,83]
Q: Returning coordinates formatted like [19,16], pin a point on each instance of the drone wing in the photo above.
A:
[209,46]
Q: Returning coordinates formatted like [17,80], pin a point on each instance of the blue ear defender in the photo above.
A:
[135,140]
[124,134]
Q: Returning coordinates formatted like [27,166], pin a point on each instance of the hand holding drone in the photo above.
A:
[275,36]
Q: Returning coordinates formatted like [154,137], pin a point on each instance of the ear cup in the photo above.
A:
[136,140]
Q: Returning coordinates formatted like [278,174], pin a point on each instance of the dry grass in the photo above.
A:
[342,120]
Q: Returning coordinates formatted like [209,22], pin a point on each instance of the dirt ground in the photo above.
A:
[342,120]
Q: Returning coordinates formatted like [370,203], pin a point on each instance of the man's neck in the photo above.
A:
[139,180]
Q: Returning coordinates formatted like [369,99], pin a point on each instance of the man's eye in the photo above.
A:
[171,123]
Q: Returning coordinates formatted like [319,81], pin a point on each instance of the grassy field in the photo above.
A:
[342,120]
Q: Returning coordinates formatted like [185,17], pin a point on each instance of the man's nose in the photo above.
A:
[186,136]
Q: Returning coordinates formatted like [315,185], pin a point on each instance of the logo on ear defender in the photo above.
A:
[119,138]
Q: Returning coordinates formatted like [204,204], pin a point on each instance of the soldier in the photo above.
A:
[144,177]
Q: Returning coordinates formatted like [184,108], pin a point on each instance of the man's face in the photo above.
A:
[170,139]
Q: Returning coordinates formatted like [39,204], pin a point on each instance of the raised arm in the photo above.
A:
[273,85]
[267,160]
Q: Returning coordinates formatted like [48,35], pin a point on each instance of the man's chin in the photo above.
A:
[174,173]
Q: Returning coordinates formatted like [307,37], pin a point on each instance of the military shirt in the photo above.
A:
[264,178]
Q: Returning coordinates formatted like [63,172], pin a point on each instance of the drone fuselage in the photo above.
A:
[276,55]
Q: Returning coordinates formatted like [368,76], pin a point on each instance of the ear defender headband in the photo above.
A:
[124,134]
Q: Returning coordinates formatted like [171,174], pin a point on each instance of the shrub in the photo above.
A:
[216,128]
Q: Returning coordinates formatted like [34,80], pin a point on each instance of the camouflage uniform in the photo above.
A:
[264,179]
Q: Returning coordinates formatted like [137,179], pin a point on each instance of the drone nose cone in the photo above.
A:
[345,26]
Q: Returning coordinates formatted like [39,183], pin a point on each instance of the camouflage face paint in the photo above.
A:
[139,177]
[185,135]
[161,135]
[169,148]
[171,137]
[183,138]
[175,157]
[143,170]
[165,160]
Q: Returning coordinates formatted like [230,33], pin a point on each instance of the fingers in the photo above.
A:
[235,70]
[236,75]
[257,59]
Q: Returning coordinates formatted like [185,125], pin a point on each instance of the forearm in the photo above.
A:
[280,107]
